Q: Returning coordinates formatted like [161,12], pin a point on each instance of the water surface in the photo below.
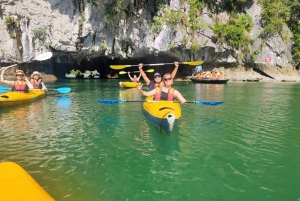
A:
[79,149]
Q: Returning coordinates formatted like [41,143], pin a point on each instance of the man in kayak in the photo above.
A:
[21,84]
[165,92]
[36,81]
[157,77]
[134,78]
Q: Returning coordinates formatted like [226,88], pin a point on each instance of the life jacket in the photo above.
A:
[134,80]
[36,84]
[22,88]
[153,85]
[157,95]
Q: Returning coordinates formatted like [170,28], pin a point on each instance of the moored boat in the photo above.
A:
[14,98]
[209,81]
[163,114]
[129,84]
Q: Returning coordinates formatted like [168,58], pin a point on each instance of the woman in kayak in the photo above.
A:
[165,92]
[157,77]
[36,81]
[21,84]
[134,78]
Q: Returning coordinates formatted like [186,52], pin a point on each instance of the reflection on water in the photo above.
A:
[80,149]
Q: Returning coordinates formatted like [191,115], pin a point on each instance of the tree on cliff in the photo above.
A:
[234,35]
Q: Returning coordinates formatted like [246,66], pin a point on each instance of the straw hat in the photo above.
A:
[19,72]
[35,73]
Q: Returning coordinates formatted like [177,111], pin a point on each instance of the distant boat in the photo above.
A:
[79,75]
[91,74]
[209,81]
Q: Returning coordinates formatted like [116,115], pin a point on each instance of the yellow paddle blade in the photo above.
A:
[150,71]
[122,72]
[193,63]
[119,67]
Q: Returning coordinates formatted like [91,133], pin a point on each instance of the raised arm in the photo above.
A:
[44,87]
[139,76]
[146,79]
[130,76]
[2,78]
[146,93]
[30,86]
[173,74]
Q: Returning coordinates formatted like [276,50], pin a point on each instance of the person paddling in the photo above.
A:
[134,78]
[21,84]
[165,92]
[36,81]
[157,77]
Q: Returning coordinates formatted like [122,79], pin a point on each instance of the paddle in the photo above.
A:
[192,63]
[211,103]
[148,71]
[41,57]
[62,90]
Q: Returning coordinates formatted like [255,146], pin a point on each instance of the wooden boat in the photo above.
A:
[209,81]
[129,84]
[17,184]
[15,98]
[163,114]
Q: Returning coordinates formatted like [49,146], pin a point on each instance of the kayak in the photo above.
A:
[17,184]
[129,84]
[14,98]
[163,114]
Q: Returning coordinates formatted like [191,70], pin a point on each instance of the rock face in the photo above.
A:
[76,31]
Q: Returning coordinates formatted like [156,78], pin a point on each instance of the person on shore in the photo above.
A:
[157,77]
[21,83]
[134,78]
[165,92]
[36,81]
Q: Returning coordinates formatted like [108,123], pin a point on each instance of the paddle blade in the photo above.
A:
[122,72]
[63,90]
[193,63]
[119,67]
[111,101]
[150,70]
[4,88]
[44,56]
[210,103]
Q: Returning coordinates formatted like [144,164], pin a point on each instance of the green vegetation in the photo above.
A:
[92,2]
[111,10]
[235,34]
[11,22]
[103,47]
[40,34]
[12,35]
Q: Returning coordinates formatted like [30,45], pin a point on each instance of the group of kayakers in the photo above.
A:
[199,74]
[161,87]
[21,83]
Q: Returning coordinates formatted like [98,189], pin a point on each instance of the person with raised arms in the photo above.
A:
[164,92]
[134,78]
[157,77]
[21,84]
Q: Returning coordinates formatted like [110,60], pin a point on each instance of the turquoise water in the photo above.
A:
[76,148]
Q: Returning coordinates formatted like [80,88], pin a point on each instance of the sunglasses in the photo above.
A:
[168,78]
[157,76]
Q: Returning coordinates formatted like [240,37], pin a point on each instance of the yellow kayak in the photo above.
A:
[163,114]
[129,84]
[17,184]
[13,98]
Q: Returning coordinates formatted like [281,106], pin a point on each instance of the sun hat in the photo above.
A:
[35,73]
[157,74]
[19,72]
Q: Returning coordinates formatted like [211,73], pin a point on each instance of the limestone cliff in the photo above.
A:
[76,31]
